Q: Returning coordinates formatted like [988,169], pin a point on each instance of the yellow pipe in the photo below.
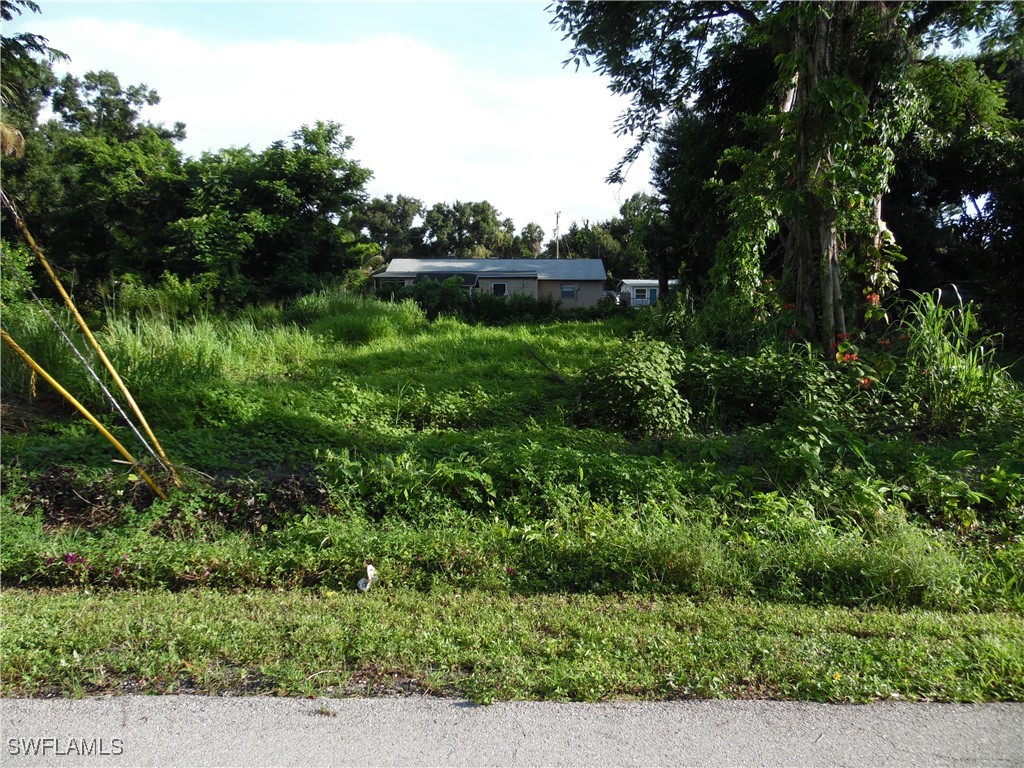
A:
[81,409]
[92,340]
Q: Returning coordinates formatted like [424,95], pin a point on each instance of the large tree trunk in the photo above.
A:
[814,244]
[662,273]
[845,45]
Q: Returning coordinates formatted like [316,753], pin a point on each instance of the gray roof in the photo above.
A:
[643,283]
[542,269]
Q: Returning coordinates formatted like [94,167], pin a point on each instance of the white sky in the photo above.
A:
[445,101]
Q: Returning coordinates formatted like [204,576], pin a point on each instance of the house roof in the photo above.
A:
[646,283]
[542,269]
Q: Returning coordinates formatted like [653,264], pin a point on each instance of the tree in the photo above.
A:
[98,184]
[947,201]
[843,100]
[647,247]
[390,223]
[587,241]
[466,231]
[25,61]
[956,201]
[268,225]
[691,171]
[97,105]
[532,239]
[112,202]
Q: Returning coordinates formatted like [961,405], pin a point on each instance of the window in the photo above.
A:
[569,291]
[499,289]
[641,294]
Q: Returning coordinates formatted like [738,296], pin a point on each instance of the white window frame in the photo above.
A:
[573,291]
[640,294]
[504,289]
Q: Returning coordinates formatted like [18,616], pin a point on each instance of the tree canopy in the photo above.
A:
[799,161]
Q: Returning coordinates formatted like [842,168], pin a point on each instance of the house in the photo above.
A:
[643,293]
[573,282]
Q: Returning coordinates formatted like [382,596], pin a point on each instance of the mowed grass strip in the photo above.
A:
[487,646]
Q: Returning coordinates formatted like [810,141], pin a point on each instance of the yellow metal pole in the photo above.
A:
[81,409]
[92,340]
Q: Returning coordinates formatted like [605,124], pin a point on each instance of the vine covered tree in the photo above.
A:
[825,135]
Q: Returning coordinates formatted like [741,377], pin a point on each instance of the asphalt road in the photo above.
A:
[238,731]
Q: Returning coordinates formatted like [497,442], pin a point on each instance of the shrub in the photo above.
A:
[436,298]
[730,390]
[516,308]
[635,391]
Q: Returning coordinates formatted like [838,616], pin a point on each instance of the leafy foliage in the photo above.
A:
[263,225]
[635,391]
[958,384]
[786,120]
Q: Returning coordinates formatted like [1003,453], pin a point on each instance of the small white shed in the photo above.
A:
[643,293]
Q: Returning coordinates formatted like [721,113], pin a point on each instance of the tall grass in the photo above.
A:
[452,455]
[354,320]
[958,379]
[33,331]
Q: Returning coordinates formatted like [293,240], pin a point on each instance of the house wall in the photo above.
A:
[391,283]
[514,285]
[636,301]
[587,295]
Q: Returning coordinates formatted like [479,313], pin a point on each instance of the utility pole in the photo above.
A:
[557,214]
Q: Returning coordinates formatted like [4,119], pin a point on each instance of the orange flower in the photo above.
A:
[873,299]
[865,383]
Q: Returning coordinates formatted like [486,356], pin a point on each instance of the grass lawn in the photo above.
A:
[487,646]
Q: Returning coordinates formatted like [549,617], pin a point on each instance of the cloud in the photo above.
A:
[426,125]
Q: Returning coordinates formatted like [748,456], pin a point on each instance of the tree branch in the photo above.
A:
[744,13]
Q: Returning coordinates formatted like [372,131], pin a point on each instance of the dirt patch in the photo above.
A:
[66,499]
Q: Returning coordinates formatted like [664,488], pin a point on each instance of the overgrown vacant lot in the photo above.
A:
[575,509]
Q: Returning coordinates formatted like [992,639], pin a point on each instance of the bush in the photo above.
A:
[635,391]
[18,280]
[518,308]
[436,298]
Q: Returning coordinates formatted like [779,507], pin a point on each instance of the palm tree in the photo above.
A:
[14,51]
